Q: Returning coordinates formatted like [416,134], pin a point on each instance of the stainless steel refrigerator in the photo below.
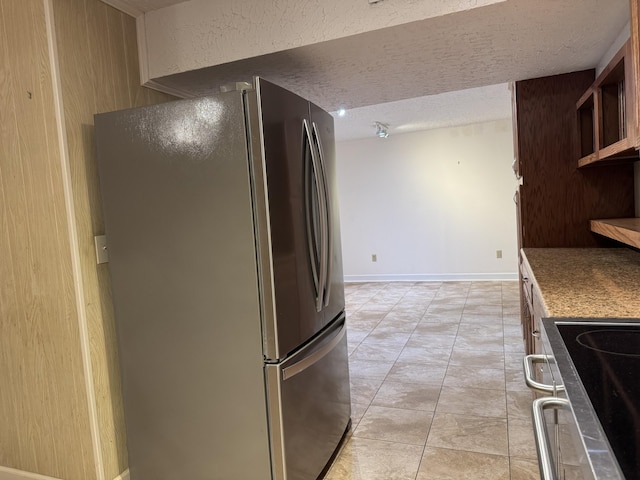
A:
[225,261]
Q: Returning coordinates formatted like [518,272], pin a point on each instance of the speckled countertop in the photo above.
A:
[587,282]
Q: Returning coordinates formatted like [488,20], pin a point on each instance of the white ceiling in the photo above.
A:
[442,71]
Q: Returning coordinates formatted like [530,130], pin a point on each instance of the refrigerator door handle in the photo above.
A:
[327,208]
[301,365]
[312,175]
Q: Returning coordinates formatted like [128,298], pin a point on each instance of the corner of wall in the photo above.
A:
[617,44]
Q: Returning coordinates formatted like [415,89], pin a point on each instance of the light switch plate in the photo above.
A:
[102,256]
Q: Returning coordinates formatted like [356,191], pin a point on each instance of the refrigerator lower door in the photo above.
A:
[309,405]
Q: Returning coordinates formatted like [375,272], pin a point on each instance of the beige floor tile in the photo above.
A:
[364,389]
[483,309]
[387,338]
[524,469]
[370,368]
[395,425]
[481,344]
[408,396]
[432,340]
[474,358]
[515,380]
[446,464]
[365,459]
[474,434]
[468,401]
[357,412]
[434,328]
[425,355]
[472,377]
[519,403]
[403,314]
[521,440]
[394,327]
[482,329]
[376,353]
[416,373]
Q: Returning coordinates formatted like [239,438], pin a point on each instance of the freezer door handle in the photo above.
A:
[311,179]
[306,362]
[327,214]
[314,214]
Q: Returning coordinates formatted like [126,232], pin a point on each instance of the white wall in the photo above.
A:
[431,205]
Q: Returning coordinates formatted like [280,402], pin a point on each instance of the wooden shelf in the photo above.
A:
[616,152]
[604,120]
[625,230]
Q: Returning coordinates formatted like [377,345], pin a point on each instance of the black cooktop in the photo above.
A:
[607,359]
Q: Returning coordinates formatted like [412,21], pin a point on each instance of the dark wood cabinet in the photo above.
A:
[557,199]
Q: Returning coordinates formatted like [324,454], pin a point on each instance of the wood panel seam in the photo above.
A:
[73,239]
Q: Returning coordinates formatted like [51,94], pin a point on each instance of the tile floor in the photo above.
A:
[436,384]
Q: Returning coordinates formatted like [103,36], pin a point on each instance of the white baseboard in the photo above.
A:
[7,473]
[432,277]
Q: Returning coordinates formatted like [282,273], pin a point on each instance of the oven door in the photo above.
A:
[560,450]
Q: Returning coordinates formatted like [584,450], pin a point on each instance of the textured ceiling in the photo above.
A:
[373,74]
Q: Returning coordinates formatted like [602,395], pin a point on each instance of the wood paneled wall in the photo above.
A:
[44,420]
[50,406]
[98,60]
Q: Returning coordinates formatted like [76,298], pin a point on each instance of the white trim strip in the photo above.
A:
[124,7]
[83,330]
[432,277]
[143,54]
[7,473]
[12,474]
[176,92]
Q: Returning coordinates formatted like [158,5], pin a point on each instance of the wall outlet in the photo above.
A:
[374,257]
[102,255]
[498,253]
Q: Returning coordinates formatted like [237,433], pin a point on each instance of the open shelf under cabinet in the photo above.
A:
[625,230]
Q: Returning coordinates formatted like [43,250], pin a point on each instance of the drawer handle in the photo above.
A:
[530,380]
[543,446]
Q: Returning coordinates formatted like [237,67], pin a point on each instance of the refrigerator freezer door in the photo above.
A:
[323,133]
[279,150]
[309,405]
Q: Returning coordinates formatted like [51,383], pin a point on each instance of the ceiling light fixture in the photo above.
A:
[381,129]
[342,112]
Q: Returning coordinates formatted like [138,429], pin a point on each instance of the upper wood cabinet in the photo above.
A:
[606,113]
[557,199]
[626,229]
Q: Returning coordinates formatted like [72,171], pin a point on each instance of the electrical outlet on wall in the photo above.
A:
[374,257]
[498,253]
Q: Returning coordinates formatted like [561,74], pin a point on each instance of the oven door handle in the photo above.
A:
[543,445]
[529,377]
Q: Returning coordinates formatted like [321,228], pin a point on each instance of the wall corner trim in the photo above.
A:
[83,330]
